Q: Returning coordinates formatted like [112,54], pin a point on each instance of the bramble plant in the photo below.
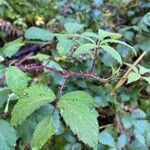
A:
[41,83]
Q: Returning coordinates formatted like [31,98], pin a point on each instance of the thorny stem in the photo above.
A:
[94,60]
[76,74]
[23,59]
[95,56]
[68,74]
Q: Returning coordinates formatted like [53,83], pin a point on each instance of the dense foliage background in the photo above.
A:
[123,117]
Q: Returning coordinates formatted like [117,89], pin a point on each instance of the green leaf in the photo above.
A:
[35,33]
[16,80]
[64,46]
[5,3]
[53,64]
[1,59]
[138,114]
[132,67]
[132,77]
[139,137]
[101,102]
[146,79]
[4,93]
[136,145]
[26,129]
[147,138]
[127,121]
[73,27]
[122,141]
[84,48]
[33,98]
[146,19]
[144,44]
[106,138]
[8,134]
[10,48]
[43,131]
[103,34]
[77,109]
[45,111]
[119,42]
[142,126]
[90,34]
[3,144]
[143,70]
[40,57]
[112,52]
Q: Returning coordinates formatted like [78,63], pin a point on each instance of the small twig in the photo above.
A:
[53,111]
[104,126]
[121,81]
[60,91]
[120,127]
[94,60]
[2,80]
[62,86]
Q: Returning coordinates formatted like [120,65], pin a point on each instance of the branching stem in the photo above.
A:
[68,74]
